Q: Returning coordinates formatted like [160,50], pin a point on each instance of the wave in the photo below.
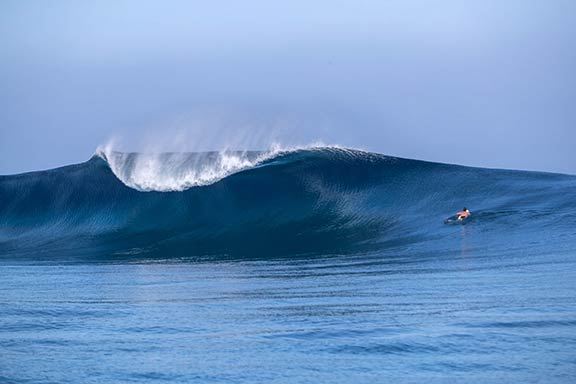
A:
[323,200]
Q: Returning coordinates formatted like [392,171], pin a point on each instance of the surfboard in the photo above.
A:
[454,220]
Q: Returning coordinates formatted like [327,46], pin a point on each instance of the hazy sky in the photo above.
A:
[477,82]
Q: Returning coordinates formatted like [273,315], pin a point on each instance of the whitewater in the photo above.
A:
[312,264]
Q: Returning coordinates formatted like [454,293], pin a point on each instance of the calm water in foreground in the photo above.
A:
[468,317]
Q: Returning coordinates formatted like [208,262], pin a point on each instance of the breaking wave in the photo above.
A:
[318,200]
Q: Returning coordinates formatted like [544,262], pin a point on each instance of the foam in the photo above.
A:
[178,171]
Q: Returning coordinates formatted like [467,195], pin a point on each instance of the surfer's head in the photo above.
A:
[465,209]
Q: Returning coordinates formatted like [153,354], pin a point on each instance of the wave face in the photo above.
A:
[256,204]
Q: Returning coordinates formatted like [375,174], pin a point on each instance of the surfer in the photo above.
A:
[464,214]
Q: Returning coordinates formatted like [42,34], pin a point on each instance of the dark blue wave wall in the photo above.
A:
[323,201]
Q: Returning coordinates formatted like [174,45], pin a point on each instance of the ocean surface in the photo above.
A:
[318,265]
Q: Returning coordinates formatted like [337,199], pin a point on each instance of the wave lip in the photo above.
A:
[178,171]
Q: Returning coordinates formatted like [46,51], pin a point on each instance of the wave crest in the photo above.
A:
[178,171]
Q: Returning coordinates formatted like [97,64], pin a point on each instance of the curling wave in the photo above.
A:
[321,200]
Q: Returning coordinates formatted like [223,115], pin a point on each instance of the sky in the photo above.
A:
[487,83]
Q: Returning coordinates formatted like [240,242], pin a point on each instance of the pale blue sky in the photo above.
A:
[477,82]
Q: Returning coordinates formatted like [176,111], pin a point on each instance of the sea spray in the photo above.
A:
[178,171]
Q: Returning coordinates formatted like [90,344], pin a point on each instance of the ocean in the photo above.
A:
[311,265]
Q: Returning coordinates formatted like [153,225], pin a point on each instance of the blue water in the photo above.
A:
[323,265]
